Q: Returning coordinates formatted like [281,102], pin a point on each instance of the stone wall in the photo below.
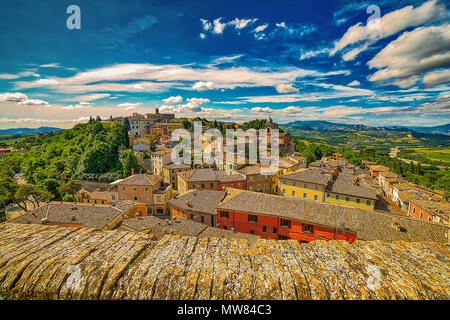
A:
[42,262]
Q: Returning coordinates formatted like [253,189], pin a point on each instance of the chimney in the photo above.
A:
[132,171]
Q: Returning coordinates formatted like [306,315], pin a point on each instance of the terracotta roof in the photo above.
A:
[438,208]
[176,166]
[87,215]
[368,225]
[202,201]
[251,169]
[311,176]
[98,195]
[92,186]
[140,180]
[41,262]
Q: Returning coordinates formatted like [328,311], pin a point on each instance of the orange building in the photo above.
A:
[147,189]
[429,210]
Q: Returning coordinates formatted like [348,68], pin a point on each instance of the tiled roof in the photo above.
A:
[368,225]
[348,187]
[140,180]
[202,201]
[98,195]
[41,262]
[251,169]
[439,208]
[223,177]
[159,228]
[206,174]
[176,166]
[311,176]
[87,215]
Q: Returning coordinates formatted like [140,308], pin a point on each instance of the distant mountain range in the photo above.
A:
[321,125]
[29,130]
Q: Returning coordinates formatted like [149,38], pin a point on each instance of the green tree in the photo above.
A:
[71,188]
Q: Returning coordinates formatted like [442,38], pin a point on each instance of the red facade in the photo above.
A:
[272,227]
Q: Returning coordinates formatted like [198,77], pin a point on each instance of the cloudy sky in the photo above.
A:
[226,60]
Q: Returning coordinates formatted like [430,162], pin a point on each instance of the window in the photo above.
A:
[421,215]
[307,228]
[317,188]
[264,229]
[316,197]
[123,188]
[305,185]
[358,200]
[282,237]
[203,185]
[211,185]
[274,231]
[368,202]
[347,199]
[252,231]
[135,198]
[328,195]
[294,183]
[304,195]
[284,191]
[285,223]
[113,197]
[337,197]
[414,210]
[429,219]
[224,227]
[293,193]
[202,219]
[134,189]
[284,181]
[252,218]
[223,214]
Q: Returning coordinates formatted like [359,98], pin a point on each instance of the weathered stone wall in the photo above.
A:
[42,262]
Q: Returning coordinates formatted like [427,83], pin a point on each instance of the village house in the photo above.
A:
[159,158]
[148,189]
[4,151]
[170,173]
[277,217]
[197,205]
[81,215]
[208,179]
[258,177]
[347,190]
[308,184]
[429,210]
[139,122]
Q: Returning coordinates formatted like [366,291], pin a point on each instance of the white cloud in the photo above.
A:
[412,54]
[45,82]
[241,23]
[261,28]
[354,83]
[391,23]
[218,26]
[437,77]
[202,36]
[129,105]
[21,98]
[12,97]
[200,85]
[172,100]
[285,88]
[90,97]
[206,24]
[8,76]
[313,53]
[34,102]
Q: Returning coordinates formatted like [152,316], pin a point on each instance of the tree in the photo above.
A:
[130,161]
[71,188]
[29,193]
[8,186]
[186,124]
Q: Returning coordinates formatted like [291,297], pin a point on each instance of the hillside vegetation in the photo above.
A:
[49,162]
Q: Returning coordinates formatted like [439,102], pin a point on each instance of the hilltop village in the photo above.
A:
[327,199]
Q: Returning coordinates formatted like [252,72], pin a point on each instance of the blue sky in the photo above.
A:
[226,60]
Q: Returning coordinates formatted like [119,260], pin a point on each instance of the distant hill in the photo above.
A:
[320,125]
[444,129]
[29,130]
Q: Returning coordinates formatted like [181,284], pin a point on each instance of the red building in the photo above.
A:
[276,217]
[4,151]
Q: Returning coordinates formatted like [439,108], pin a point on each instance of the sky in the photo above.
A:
[381,63]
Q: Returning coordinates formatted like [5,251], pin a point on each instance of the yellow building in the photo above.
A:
[348,191]
[307,184]
[170,171]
